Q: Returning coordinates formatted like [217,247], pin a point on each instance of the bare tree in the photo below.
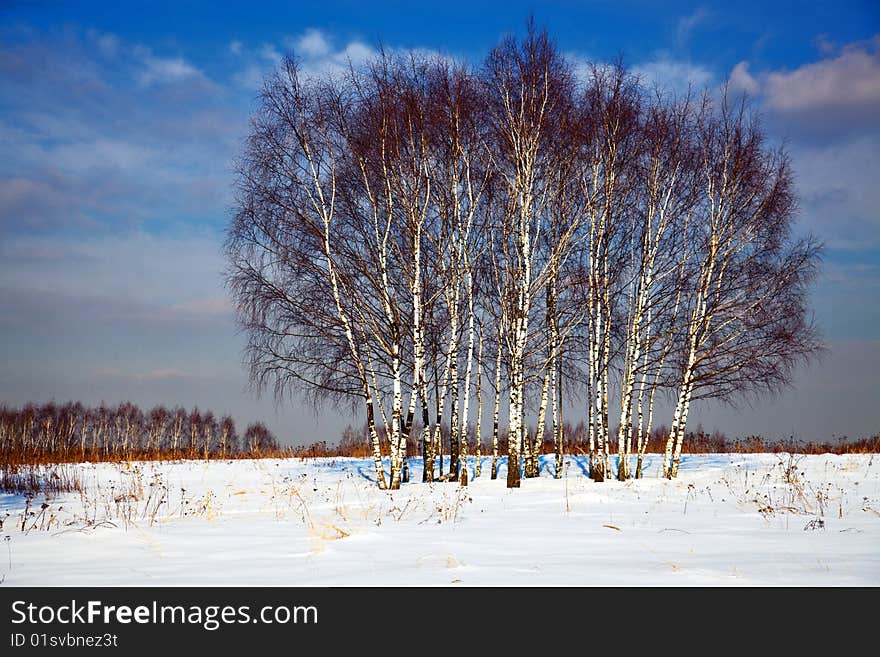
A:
[72,430]
[747,324]
[528,85]
[664,193]
[284,250]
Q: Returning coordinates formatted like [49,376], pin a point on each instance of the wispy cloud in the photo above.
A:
[317,52]
[839,196]
[270,53]
[674,75]
[109,44]
[158,70]
[687,25]
[825,45]
[175,269]
[663,71]
[89,144]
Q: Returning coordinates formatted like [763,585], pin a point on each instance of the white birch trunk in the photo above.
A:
[606,366]
[601,461]
[515,433]
[450,357]
[479,446]
[497,408]
[454,420]
[682,426]
[555,391]
[676,432]
[467,378]
[634,346]
[542,422]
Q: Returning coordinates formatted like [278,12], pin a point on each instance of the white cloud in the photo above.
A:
[851,79]
[334,61]
[665,72]
[741,80]
[271,54]
[356,52]
[317,55]
[312,43]
[828,110]
[673,75]
[581,66]
[837,94]
[164,70]
[94,147]
[235,47]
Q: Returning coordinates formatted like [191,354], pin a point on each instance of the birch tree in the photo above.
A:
[528,84]
[747,324]
[282,250]
[607,133]
[460,175]
[664,196]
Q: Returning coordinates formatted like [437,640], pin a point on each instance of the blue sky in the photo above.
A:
[117,129]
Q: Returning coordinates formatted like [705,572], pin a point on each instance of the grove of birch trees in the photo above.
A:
[433,241]
[72,431]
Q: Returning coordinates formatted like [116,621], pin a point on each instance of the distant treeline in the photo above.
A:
[67,432]
[355,443]
[73,431]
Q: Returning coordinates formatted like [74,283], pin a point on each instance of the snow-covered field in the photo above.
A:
[730,519]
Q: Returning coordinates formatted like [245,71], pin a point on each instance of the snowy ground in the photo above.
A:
[729,519]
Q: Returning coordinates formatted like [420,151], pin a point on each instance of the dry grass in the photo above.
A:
[702,443]
[14,458]
[32,480]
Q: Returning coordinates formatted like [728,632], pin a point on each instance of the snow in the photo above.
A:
[729,519]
